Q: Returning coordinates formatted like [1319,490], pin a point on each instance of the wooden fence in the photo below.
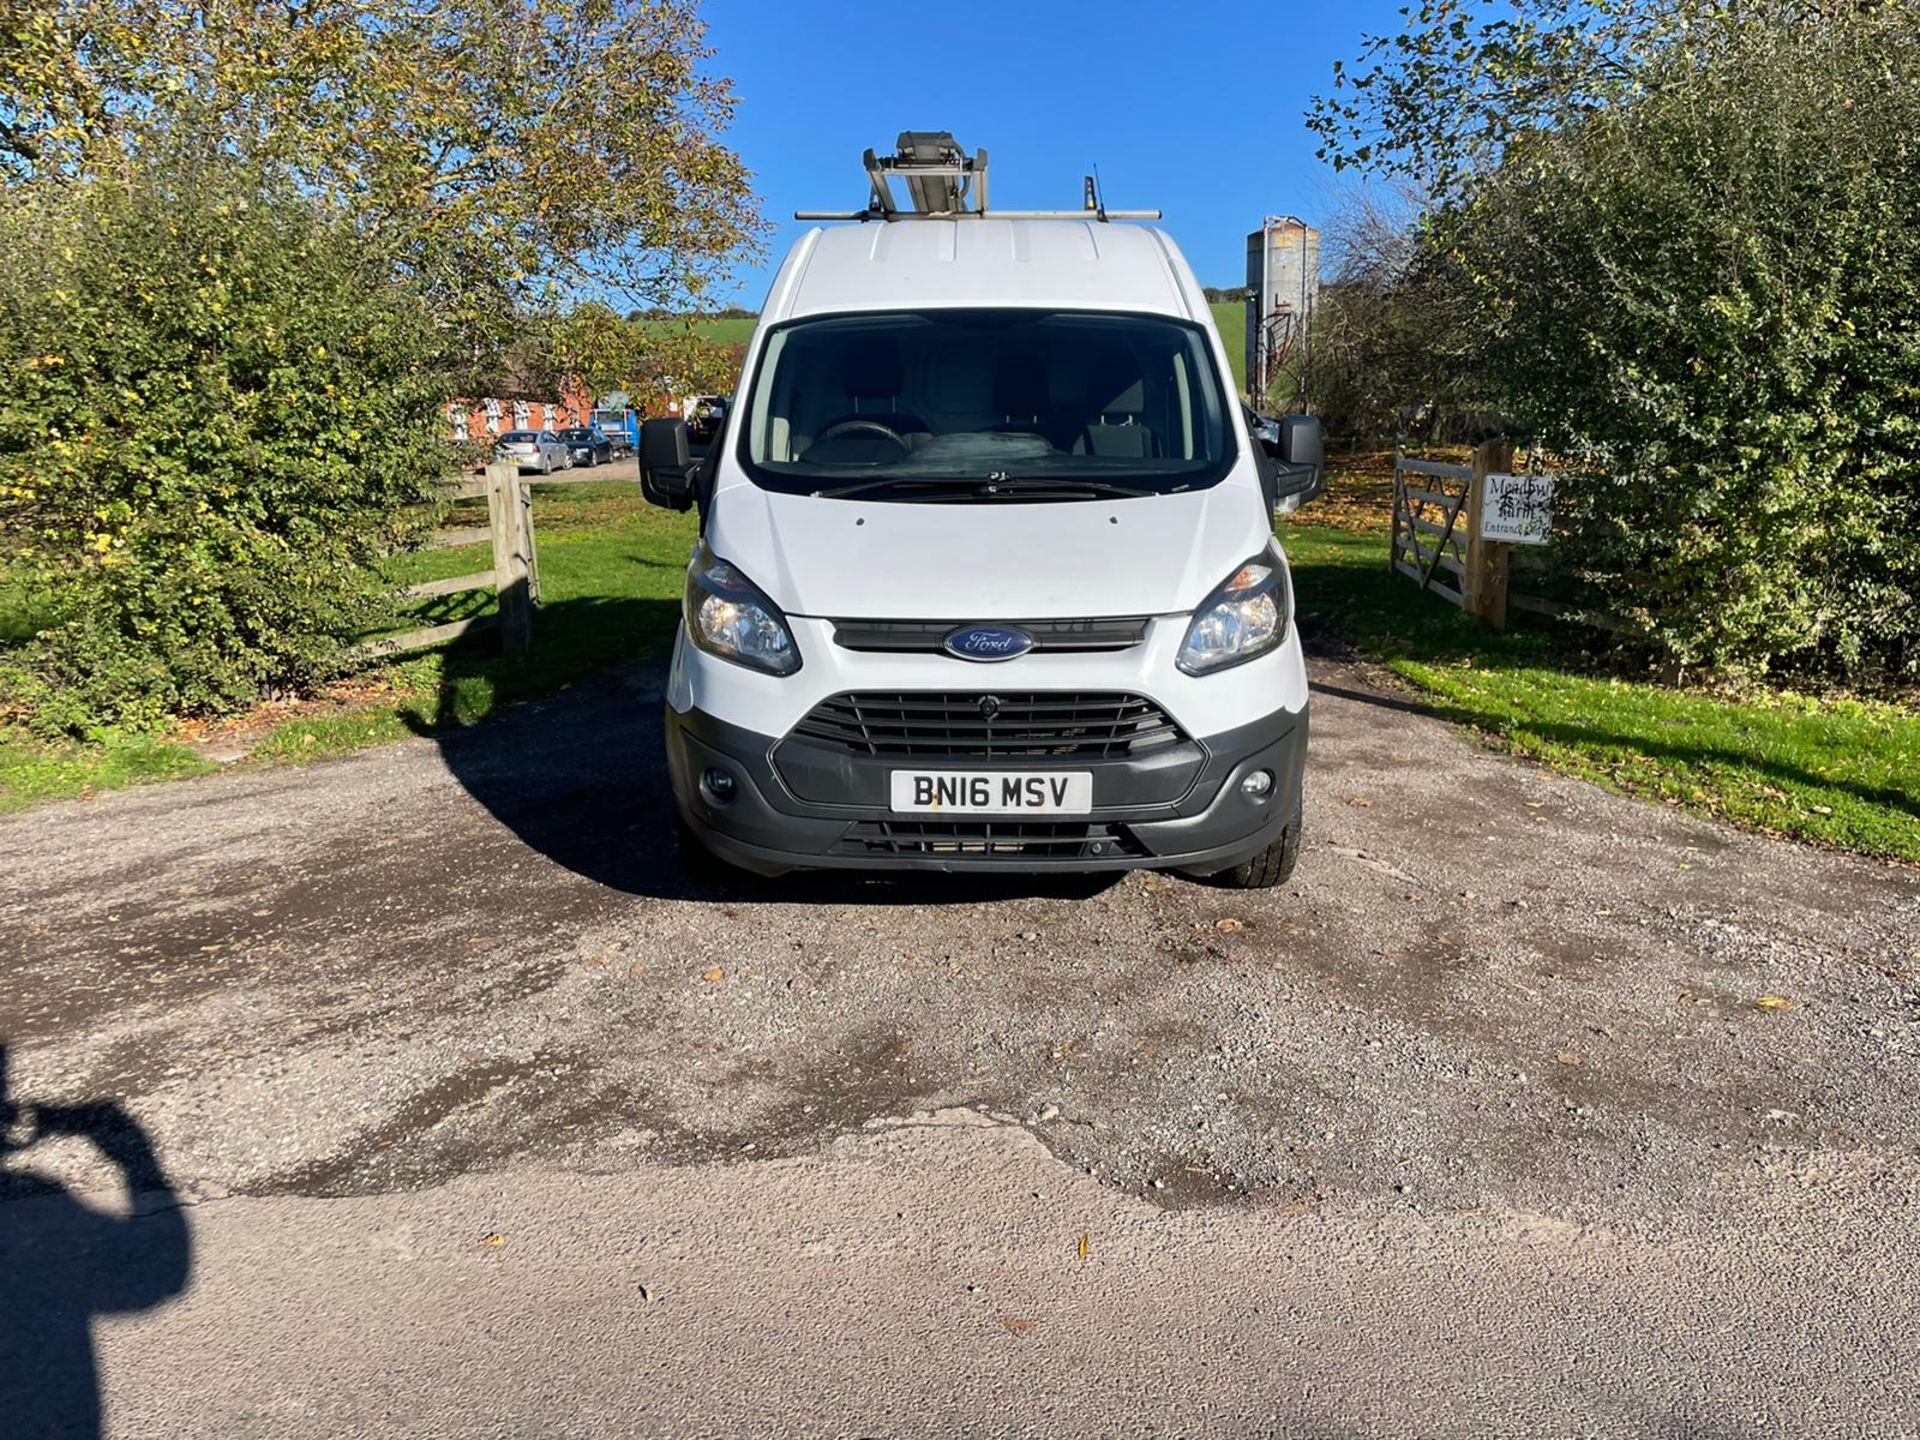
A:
[515,572]
[1436,534]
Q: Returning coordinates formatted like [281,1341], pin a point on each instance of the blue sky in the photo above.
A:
[1191,106]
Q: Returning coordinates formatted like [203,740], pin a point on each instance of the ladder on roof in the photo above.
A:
[944,182]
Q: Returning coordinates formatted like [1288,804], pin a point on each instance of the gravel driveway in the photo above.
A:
[1497,1014]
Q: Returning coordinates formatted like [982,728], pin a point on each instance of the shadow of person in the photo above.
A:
[62,1262]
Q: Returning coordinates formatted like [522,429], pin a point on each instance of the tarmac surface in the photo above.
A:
[455,1106]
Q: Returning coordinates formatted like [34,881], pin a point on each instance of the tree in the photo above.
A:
[214,413]
[642,356]
[509,149]
[1683,250]
[1440,100]
[248,250]
[1704,298]
[1387,352]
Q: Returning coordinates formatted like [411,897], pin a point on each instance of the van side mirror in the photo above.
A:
[666,464]
[1298,454]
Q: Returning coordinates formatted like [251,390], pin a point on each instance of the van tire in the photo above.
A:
[1272,866]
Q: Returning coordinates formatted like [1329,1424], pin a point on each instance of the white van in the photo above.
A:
[986,576]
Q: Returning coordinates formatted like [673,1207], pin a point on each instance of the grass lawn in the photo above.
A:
[611,572]
[33,770]
[1230,319]
[1841,772]
[611,569]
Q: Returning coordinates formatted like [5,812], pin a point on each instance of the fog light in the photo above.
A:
[1258,785]
[718,784]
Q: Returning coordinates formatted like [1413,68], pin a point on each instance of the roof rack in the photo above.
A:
[945,183]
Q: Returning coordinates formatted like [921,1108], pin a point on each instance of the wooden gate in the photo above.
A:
[1430,530]
[1436,530]
[1437,541]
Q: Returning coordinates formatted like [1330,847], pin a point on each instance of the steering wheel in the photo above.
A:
[863,425]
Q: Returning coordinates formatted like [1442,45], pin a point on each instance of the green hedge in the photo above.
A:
[218,409]
[1708,299]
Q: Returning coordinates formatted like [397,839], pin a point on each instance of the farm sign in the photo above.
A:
[1517,509]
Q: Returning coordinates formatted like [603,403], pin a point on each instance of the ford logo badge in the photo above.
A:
[987,642]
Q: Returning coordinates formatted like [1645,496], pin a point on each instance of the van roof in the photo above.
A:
[920,264]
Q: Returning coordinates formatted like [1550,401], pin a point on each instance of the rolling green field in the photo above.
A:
[721,330]
[1230,318]
[736,331]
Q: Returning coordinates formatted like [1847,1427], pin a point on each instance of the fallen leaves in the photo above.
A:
[1086,1244]
[1229,925]
[493,1240]
[1018,1325]
[1773,1002]
[713,975]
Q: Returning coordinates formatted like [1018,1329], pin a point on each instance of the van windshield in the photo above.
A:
[890,406]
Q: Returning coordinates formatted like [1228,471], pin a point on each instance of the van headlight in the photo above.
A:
[1246,617]
[727,615]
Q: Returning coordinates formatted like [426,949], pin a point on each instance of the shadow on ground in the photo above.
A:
[63,1262]
[581,777]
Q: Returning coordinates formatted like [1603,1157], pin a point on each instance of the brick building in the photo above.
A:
[518,408]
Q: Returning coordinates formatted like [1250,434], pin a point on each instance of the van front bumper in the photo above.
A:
[1149,812]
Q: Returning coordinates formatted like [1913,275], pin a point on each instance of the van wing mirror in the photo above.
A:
[1298,454]
[666,464]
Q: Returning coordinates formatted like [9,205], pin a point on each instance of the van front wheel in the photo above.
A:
[1272,866]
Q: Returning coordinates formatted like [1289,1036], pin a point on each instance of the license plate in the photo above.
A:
[991,792]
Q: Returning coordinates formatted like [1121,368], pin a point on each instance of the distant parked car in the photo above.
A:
[588,444]
[704,417]
[540,450]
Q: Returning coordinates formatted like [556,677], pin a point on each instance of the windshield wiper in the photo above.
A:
[998,487]
[1046,484]
[900,482]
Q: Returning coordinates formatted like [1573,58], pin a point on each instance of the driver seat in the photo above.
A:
[873,378]
[1119,429]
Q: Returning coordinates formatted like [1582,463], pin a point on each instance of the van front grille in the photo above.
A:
[1100,726]
[989,839]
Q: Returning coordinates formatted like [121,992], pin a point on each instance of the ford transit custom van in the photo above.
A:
[986,576]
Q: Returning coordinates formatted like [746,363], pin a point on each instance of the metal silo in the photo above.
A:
[1283,287]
